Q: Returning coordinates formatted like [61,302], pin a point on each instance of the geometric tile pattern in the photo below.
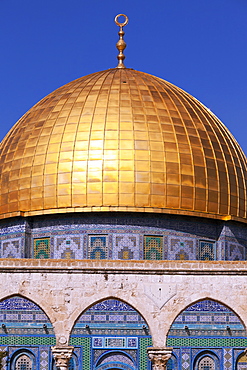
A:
[185,358]
[207,251]
[143,358]
[44,358]
[181,249]
[126,247]
[97,248]
[68,247]
[206,342]
[227,358]
[153,248]
[41,248]
[11,248]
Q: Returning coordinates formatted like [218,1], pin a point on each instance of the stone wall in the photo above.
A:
[158,290]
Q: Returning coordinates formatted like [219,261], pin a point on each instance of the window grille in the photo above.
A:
[206,363]
[23,363]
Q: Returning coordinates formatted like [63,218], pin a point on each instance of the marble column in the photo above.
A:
[62,355]
[159,357]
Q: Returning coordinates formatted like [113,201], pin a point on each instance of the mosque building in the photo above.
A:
[123,211]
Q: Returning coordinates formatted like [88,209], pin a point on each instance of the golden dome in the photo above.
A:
[122,140]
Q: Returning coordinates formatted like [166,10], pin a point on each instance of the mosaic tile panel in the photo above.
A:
[185,358]
[126,246]
[4,362]
[68,247]
[97,247]
[144,362]
[41,248]
[181,249]
[236,252]
[207,250]
[227,358]
[27,340]
[44,358]
[206,342]
[12,248]
[153,247]
[70,237]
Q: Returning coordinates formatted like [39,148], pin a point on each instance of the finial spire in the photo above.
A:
[121,44]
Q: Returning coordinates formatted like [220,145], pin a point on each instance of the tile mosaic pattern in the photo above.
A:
[11,248]
[68,247]
[144,362]
[172,239]
[126,246]
[207,250]
[153,248]
[185,358]
[41,248]
[228,358]
[97,248]
[181,248]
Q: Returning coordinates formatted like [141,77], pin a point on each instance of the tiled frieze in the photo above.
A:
[173,239]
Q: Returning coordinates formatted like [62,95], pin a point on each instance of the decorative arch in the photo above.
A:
[217,302]
[95,302]
[206,324]
[30,299]
[23,359]
[206,360]
[27,326]
[109,360]
[112,334]
[241,363]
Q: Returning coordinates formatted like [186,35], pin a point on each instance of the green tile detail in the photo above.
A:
[153,248]
[206,342]
[41,248]
[86,345]
[27,341]
[143,359]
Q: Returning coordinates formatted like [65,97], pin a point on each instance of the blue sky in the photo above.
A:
[199,45]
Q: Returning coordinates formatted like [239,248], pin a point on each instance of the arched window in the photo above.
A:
[23,362]
[206,363]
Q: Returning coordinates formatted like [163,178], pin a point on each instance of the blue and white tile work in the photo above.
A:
[15,238]
[208,331]
[26,334]
[119,237]
[116,333]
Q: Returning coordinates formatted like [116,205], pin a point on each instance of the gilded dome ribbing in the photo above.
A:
[122,140]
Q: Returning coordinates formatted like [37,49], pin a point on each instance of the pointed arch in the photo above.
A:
[24,322]
[208,319]
[107,298]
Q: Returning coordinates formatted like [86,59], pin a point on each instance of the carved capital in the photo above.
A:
[62,355]
[159,357]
